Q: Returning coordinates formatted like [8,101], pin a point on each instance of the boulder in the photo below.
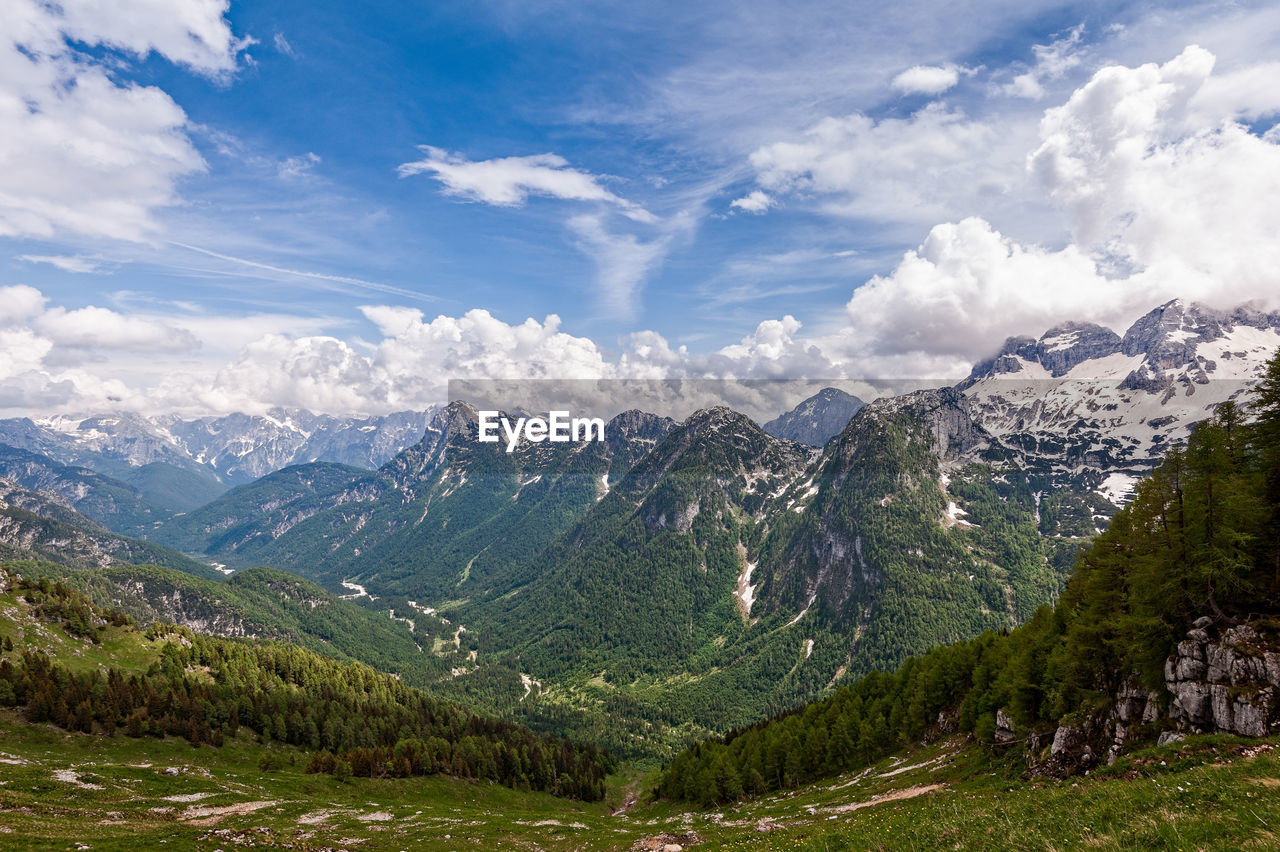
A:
[1004,727]
[1191,702]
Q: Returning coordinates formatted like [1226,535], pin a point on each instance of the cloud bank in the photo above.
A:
[1164,176]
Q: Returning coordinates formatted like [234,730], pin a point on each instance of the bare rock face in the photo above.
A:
[1226,684]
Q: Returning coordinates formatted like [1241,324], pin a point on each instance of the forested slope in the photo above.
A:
[178,683]
[1190,567]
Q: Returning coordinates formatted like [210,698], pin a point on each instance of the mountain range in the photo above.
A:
[690,577]
[212,453]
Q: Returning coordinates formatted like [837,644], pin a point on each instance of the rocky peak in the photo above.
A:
[817,419]
[1168,335]
[637,425]
[1008,360]
[943,411]
[1064,346]
[1058,350]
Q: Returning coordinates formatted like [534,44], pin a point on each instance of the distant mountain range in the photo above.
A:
[708,572]
[217,452]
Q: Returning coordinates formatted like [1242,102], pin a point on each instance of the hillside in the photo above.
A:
[446,518]
[45,524]
[1168,627]
[66,787]
[116,505]
[350,718]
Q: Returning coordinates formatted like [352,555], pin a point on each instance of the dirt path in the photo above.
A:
[630,797]
[213,815]
[893,796]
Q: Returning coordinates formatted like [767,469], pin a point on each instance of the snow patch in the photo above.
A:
[746,593]
[1118,487]
[803,612]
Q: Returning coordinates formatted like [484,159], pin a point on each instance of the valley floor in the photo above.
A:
[74,791]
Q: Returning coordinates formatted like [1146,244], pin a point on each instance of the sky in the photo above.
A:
[211,206]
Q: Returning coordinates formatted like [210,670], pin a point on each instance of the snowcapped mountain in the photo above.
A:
[1082,398]
[232,449]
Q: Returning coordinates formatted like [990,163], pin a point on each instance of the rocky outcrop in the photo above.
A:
[1219,680]
[1224,684]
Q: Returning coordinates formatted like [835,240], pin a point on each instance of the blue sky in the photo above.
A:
[309,186]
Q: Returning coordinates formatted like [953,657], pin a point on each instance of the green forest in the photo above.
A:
[355,720]
[1200,537]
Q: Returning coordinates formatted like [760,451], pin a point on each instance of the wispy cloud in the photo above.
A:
[372,286]
[1053,61]
[509,181]
[67,263]
[282,44]
[623,261]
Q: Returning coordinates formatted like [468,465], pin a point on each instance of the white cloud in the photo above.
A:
[964,290]
[910,169]
[21,351]
[81,151]
[1187,205]
[509,181]
[283,46]
[1165,201]
[1053,61]
[1165,194]
[19,303]
[926,79]
[756,201]
[102,328]
[299,166]
[623,261]
[194,33]
[67,263]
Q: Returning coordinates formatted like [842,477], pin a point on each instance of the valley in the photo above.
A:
[673,584]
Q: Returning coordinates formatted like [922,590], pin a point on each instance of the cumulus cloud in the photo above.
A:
[509,181]
[102,328]
[19,303]
[1163,201]
[84,152]
[1165,192]
[926,79]
[964,290]
[918,168]
[756,201]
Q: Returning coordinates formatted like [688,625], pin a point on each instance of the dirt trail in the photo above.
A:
[630,797]
[892,796]
[213,815]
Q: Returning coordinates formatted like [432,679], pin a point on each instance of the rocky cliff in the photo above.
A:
[1220,680]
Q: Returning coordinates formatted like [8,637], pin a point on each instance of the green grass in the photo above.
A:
[1205,793]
